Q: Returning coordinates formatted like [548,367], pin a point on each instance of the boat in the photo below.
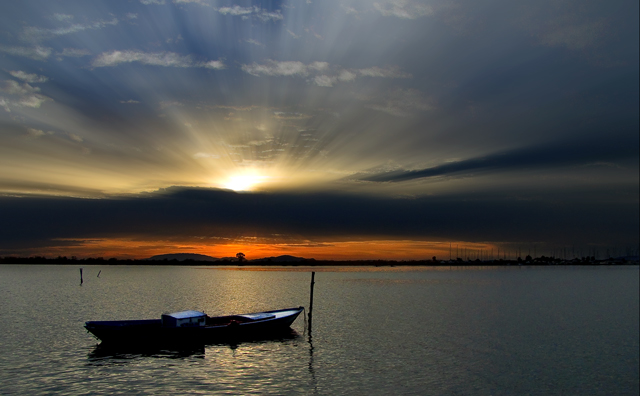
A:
[193,327]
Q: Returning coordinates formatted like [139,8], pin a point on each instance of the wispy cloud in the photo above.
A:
[217,64]
[30,78]
[349,9]
[292,34]
[36,53]
[324,81]
[346,75]
[254,42]
[20,95]
[38,133]
[4,103]
[178,39]
[389,72]
[406,9]
[34,101]
[281,115]
[269,16]
[321,74]
[62,17]
[246,12]
[36,34]
[35,132]
[237,10]
[275,68]
[75,138]
[72,53]
[14,88]
[166,59]
[149,2]
[201,2]
[205,155]
[319,66]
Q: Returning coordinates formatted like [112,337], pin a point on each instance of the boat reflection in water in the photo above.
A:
[118,353]
[105,354]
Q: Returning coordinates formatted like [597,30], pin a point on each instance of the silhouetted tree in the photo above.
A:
[240,256]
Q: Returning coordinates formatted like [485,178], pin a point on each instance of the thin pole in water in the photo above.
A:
[313,275]
[81,281]
[99,273]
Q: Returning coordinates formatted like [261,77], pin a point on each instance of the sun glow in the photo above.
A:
[248,181]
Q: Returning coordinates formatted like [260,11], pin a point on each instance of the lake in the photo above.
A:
[376,331]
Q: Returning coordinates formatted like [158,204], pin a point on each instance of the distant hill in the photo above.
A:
[183,257]
[285,258]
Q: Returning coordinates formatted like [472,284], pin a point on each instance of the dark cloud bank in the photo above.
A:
[184,213]
[549,156]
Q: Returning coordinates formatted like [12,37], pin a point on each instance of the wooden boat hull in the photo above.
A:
[151,331]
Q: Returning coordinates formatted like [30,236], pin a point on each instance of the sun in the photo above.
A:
[245,182]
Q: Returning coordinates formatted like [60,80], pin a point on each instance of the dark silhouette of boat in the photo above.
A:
[192,327]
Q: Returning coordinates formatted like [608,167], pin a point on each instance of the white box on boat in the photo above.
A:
[184,319]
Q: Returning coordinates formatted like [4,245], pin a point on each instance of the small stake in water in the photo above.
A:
[313,275]
[81,281]
[99,273]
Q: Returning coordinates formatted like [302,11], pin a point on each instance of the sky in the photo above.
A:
[354,129]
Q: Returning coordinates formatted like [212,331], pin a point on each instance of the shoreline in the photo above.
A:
[539,261]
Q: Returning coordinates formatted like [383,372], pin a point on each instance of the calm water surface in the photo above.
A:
[481,331]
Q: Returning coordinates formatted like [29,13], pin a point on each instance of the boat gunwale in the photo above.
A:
[114,324]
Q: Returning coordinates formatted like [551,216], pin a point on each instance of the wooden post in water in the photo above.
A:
[81,281]
[313,275]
